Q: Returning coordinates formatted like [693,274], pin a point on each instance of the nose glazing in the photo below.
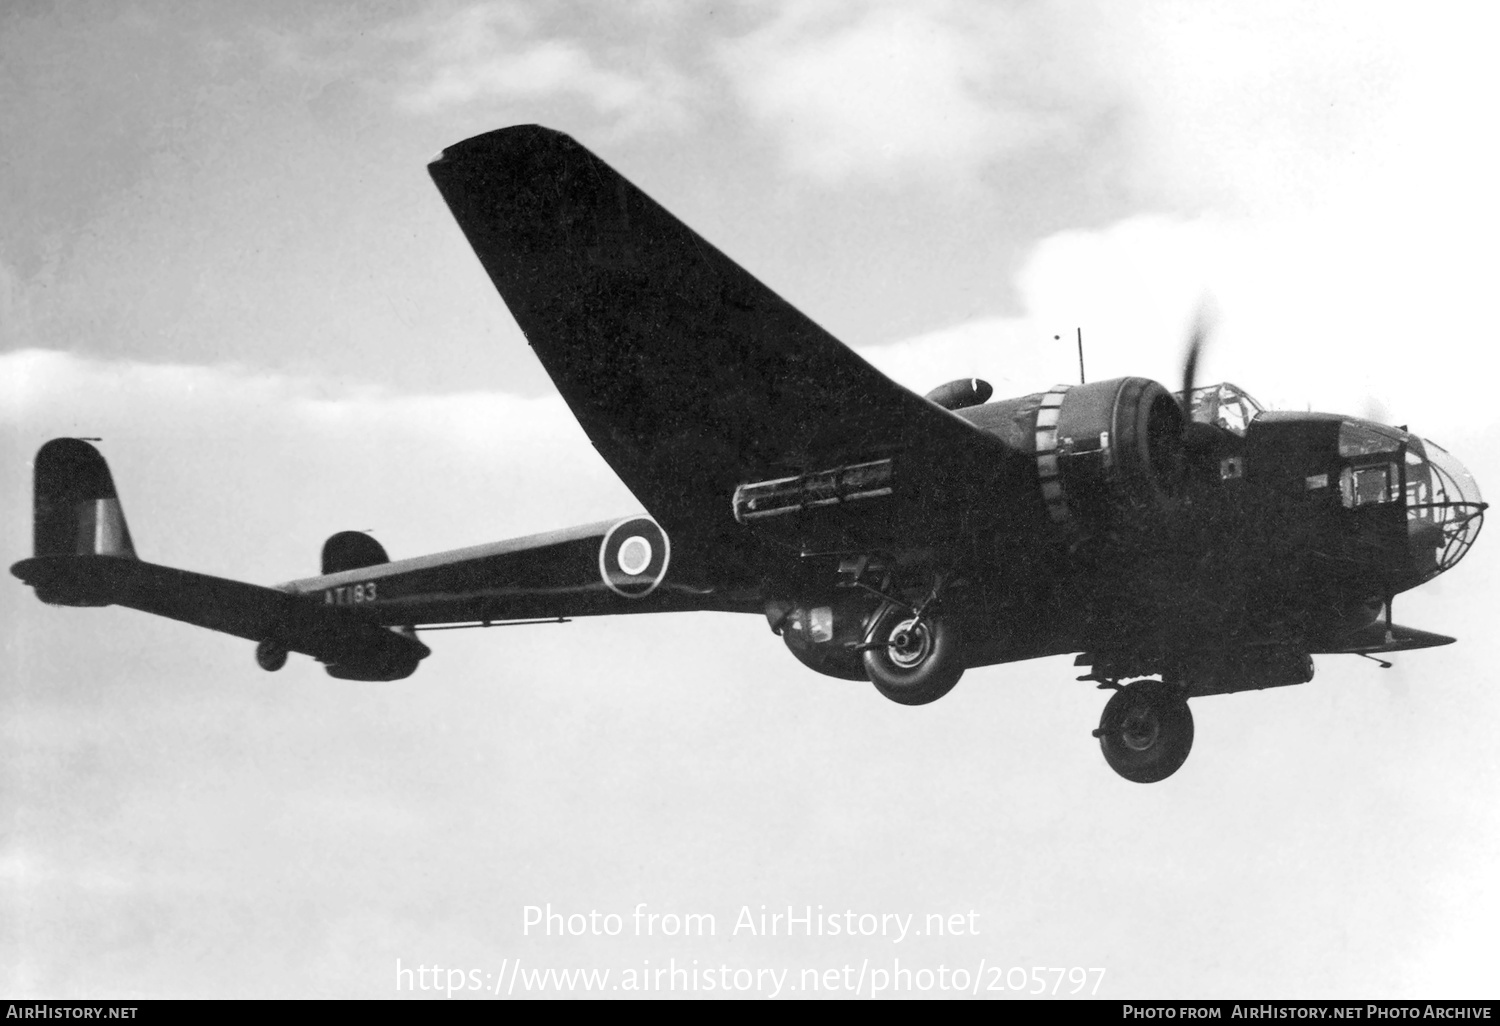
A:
[1444,509]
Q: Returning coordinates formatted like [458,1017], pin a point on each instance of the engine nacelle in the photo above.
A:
[961,394]
[395,658]
[383,669]
[1109,452]
[822,634]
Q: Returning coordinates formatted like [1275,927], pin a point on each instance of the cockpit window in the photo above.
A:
[1362,486]
[1224,405]
[1365,438]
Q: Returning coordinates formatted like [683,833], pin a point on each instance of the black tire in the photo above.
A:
[1146,731]
[918,661]
[270,656]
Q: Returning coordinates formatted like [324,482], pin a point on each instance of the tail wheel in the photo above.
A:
[270,656]
[1146,731]
[912,659]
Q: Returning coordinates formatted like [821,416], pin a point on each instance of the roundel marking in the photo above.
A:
[633,557]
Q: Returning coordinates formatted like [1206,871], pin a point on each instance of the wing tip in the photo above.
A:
[496,141]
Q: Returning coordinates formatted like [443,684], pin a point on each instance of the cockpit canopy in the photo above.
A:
[1224,405]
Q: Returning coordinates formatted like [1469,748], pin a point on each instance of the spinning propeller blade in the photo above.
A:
[1196,341]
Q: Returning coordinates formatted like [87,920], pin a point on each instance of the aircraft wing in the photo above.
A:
[689,375]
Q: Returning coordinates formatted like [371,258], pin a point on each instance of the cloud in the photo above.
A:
[1331,312]
[1314,175]
[549,67]
[900,90]
[1255,107]
[1168,105]
[15,317]
[496,54]
[297,458]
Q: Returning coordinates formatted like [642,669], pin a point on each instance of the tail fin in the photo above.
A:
[77,511]
[352,550]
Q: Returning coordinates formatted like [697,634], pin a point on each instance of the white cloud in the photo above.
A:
[900,90]
[1229,104]
[1168,106]
[1332,312]
[1320,182]
[548,67]
[294,459]
[499,54]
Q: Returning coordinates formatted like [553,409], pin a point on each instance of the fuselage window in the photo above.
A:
[1418,486]
[1363,486]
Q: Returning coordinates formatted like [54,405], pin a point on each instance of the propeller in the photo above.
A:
[1197,439]
[1197,339]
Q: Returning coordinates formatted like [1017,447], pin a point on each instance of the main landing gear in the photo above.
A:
[912,656]
[1146,731]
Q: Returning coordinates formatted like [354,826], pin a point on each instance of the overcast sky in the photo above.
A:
[220,251]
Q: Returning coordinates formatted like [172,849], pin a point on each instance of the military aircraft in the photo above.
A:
[1184,545]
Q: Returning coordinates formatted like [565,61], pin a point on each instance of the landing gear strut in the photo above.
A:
[1146,731]
[912,656]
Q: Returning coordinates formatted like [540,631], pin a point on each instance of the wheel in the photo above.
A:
[1146,731]
[270,656]
[912,661]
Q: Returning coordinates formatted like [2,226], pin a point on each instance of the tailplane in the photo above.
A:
[84,557]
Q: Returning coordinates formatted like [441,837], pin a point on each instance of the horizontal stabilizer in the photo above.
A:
[330,634]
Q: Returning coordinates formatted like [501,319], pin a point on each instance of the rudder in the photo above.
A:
[76,509]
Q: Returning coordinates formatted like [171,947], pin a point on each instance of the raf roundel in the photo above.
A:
[634,556]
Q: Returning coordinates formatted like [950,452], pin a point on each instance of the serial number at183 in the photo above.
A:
[349,594]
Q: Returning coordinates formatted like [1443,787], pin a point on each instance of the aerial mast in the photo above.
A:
[1081,379]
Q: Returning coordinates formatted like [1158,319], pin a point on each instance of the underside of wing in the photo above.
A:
[690,376]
